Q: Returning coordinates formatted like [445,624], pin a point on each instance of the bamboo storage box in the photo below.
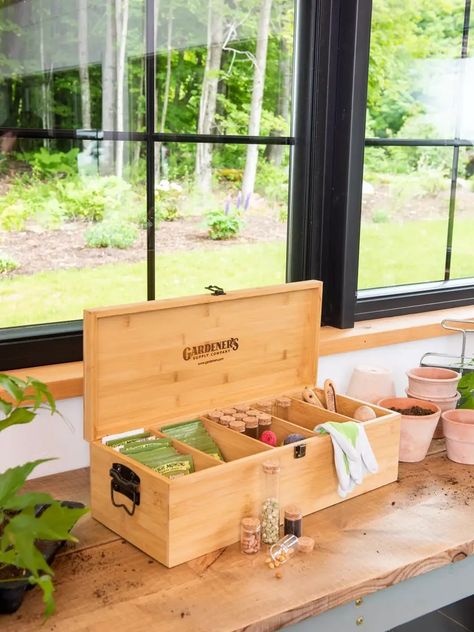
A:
[155,363]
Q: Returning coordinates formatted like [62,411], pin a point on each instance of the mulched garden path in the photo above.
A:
[40,250]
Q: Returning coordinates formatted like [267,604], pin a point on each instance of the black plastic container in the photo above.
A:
[12,591]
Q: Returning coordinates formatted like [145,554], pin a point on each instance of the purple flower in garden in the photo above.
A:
[227,207]
[247,201]
[239,200]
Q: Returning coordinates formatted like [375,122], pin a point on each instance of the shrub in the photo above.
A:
[168,198]
[13,213]
[82,201]
[47,164]
[111,235]
[222,225]
[7,264]
[381,216]
[272,182]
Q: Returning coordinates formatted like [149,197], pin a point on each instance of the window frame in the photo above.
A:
[327,149]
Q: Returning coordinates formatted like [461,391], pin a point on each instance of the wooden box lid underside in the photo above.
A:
[149,362]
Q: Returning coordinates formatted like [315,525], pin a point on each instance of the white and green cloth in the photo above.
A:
[353,455]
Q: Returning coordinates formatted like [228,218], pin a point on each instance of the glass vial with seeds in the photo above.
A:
[271,502]
[225,420]
[264,423]
[237,425]
[250,533]
[251,427]
[293,521]
[265,405]
[215,415]
[282,550]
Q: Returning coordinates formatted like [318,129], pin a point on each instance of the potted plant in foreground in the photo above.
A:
[32,525]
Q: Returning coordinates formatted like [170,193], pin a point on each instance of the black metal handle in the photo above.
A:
[215,289]
[126,482]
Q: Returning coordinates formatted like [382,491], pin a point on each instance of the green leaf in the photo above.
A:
[31,499]
[45,582]
[10,384]
[56,522]
[18,416]
[14,478]
[22,540]
[5,407]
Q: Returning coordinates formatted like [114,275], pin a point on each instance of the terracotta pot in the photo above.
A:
[430,382]
[458,427]
[415,432]
[371,383]
[448,403]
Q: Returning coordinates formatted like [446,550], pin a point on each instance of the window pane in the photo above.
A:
[462,262]
[72,233]
[405,215]
[211,57]
[419,86]
[218,234]
[74,64]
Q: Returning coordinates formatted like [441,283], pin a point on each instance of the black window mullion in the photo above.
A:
[150,146]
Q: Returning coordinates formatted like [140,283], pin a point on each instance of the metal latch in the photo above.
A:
[126,482]
[215,290]
[300,451]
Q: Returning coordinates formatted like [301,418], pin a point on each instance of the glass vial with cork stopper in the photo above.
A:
[237,425]
[282,407]
[250,530]
[282,550]
[251,427]
[271,502]
[264,423]
[293,521]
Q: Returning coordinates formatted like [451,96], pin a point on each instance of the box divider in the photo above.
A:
[202,460]
[234,445]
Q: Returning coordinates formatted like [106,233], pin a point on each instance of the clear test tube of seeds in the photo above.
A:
[282,406]
[271,502]
[253,412]
[239,416]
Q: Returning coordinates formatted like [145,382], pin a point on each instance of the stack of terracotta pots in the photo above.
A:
[437,386]
[431,392]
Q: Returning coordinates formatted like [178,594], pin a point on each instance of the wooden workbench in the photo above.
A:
[402,530]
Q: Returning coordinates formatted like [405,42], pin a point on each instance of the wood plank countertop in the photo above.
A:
[422,522]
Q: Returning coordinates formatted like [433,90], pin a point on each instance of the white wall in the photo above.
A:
[49,436]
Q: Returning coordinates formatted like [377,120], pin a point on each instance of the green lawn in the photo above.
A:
[412,252]
[390,254]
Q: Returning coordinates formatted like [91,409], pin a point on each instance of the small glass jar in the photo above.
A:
[229,411]
[293,521]
[253,412]
[282,550]
[226,419]
[250,530]
[237,425]
[239,416]
[282,407]
[215,415]
[271,503]
[251,427]
[242,408]
[265,405]
[264,423]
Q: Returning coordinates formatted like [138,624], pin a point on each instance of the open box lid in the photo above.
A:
[148,362]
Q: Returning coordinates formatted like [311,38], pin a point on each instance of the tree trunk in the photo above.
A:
[207,106]
[275,152]
[250,171]
[108,90]
[83,52]
[169,50]
[121,17]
